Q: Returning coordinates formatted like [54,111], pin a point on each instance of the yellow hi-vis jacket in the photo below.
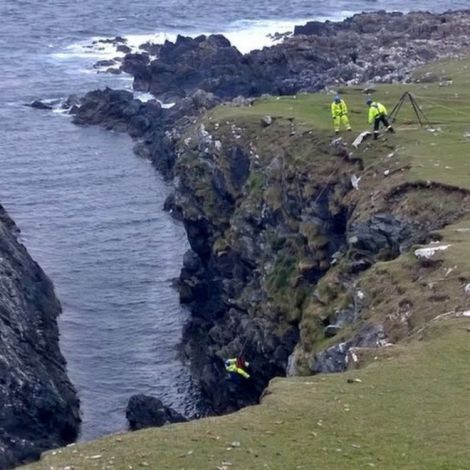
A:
[376,110]
[231,366]
[339,109]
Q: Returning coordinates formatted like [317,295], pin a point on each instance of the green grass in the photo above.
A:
[443,156]
[409,409]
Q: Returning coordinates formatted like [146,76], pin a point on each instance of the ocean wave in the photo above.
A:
[245,35]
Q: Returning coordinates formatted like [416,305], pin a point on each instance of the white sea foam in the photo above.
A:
[144,97]
[245,35]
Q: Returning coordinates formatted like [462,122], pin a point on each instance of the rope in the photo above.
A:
[320,194]
[453,110]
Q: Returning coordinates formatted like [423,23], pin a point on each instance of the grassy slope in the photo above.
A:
[412,406]
[408,411]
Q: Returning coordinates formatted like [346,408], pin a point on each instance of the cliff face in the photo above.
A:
[282,240]
[38,404]
[262,230]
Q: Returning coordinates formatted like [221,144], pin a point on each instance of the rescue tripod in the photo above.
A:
[422,118]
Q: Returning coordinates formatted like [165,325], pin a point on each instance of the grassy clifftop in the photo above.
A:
[408,406]
[409,409]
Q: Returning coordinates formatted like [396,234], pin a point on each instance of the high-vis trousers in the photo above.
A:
[337,120]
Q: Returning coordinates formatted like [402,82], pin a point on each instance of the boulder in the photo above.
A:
[144,411]
[38,104]
[123,48]
[104,63]
[266,121]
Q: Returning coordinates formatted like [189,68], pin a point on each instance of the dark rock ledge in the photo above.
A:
[39,408]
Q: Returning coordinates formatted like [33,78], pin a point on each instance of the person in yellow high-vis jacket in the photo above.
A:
[236,368]
[339,112]
[377,115]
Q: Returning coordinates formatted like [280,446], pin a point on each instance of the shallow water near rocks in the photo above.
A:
[89,210]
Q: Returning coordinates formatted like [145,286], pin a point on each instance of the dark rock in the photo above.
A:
[113,71]
[38,404]
[104,63]
[38,104]
[383,237]
[317,28]
[72,100]
[239,167]
[204,100]
[151,48]
[191,262]
[144,411]
[334,359]
[137,65]
[332,330]
[207,63]
[117,40]
[124,48]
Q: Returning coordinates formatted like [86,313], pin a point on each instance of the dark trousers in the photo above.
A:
[235,378]
[380,119]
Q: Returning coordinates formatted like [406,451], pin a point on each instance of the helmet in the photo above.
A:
[337,99]
[369,101]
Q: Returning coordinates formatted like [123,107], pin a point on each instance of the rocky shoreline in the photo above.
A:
[368,47]
[260,245]
[39,408]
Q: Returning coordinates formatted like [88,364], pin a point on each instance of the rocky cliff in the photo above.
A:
[283,243]
[280,236]
[281,239]
[38,404]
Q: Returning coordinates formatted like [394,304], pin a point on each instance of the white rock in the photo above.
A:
[467,288]
[266,121]
[386,172]
[430,251]
[355,181]
[359,139]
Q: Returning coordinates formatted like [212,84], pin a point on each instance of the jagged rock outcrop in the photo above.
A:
[38,404]
[376,47]
[143,412]
[155,129]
